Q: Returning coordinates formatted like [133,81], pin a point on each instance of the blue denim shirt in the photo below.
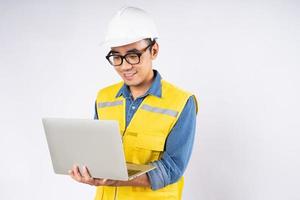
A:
[180,140]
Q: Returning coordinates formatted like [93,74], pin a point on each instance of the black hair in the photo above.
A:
[151,42]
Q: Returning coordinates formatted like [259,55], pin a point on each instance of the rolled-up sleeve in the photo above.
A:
[178,149]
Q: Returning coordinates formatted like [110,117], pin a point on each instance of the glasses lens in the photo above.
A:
[115,59]
[132,58]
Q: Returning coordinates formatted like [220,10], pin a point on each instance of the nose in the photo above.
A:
[125,65]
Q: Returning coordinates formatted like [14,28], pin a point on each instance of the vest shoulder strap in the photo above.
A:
[109,93]
[176,91]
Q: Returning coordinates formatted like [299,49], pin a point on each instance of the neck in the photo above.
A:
[141,89]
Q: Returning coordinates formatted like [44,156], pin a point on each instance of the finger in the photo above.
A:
[76,171]
[111,182]
[77,174]
[86,176]
[86,172]
[98,182]
[108,182]
[70,172]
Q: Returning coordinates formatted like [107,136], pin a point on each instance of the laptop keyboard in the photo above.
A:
[132,172]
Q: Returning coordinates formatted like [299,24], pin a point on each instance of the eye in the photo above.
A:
[116,57]
[132,56]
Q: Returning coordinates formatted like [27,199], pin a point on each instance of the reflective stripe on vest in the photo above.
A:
[149,108]
[109,104]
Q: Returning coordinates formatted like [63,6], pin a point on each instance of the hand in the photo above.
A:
[86,178]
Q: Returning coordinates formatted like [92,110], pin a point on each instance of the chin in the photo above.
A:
[131,83]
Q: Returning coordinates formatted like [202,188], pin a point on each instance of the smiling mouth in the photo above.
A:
[129,75]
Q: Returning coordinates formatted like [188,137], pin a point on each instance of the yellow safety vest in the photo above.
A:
[144,138]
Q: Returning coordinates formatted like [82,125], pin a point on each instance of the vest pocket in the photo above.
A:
[149,147]
[151,141]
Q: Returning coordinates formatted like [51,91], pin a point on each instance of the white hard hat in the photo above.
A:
[130,25]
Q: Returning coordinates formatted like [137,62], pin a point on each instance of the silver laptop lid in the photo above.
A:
[94,143]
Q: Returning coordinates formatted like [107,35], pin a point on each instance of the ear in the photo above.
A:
[155,50]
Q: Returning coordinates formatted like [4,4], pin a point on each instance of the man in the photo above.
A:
[157,119]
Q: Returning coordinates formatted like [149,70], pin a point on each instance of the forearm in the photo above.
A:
[141,181]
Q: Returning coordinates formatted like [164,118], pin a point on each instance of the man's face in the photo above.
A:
[136,74]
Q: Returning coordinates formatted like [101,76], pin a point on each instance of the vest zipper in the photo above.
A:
[116,189]
[123,133]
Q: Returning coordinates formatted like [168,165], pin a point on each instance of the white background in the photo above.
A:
[241,59]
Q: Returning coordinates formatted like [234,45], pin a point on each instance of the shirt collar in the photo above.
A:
[154,90]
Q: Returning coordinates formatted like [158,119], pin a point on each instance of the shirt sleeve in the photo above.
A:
[178,149]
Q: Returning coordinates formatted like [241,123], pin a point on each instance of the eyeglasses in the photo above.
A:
[132,58]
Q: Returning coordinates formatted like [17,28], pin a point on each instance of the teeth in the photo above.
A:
[129,74]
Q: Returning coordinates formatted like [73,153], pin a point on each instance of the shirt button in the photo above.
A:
[133,107]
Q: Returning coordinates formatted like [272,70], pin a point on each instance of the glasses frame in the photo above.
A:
[139,54]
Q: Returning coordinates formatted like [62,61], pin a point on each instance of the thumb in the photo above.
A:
[105,180]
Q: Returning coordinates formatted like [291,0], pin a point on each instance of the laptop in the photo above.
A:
[96,144]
